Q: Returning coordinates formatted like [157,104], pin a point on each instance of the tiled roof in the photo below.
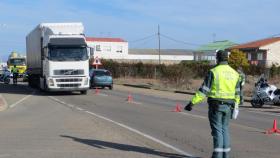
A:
[258,43]
[217,45]
[96,39]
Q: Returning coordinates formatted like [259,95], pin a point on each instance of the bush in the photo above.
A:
[274,71]
[177,73]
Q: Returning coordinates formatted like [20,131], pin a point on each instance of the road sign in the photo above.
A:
[96,61]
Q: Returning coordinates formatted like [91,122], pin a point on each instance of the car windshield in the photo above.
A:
[102,73]
[17,61]
[68,54]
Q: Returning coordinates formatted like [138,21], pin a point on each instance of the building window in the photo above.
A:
[119,49]
[98,48]
[249,56]
[107,48]
[213,58]
[260,56]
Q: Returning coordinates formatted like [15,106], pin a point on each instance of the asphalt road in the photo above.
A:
[147,122]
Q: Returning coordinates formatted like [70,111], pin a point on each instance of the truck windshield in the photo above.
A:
[18,62]
[68,54]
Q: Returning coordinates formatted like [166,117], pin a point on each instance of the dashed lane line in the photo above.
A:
[128,128]
[192,115]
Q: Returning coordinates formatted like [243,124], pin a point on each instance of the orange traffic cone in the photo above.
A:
[274,129]
[96,91]
[129,98]
[178,108]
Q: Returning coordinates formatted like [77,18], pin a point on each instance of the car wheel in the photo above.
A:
[257,103]
[84,92]
[111,87]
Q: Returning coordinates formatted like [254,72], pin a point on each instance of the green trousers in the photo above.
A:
[219,116]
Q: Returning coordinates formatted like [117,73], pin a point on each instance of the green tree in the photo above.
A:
[238,59]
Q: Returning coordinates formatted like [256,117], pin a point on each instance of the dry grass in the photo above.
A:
[192,84]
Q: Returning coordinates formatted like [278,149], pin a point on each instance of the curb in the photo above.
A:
[3,104]
[138,86]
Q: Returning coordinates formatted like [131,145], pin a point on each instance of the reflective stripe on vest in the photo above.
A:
[220,150]
[224,84]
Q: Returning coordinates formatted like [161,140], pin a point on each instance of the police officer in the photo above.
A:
[222,87]
[15,74]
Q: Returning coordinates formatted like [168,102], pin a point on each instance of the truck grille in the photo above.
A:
[69,80]
[69,72]
[68,85]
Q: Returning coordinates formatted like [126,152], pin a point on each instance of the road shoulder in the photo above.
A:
[3,103]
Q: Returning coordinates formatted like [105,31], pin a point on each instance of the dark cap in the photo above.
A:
[221,56]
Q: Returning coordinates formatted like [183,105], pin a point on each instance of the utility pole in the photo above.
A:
[214,37]
[159,45]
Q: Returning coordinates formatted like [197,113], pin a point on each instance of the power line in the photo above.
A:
[179,41]
[144,42]
[144,38]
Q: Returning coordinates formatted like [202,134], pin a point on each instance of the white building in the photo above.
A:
[117,49]
[108,48]
[165,56]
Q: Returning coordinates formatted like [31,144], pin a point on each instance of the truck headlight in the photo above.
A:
[51,82]
[86,81]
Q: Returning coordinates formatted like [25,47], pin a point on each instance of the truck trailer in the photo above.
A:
[58,57]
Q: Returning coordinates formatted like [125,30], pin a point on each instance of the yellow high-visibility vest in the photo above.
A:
[14,70]
[224,85]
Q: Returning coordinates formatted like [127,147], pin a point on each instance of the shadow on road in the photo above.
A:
[24,89]
[15,89]
[124,147]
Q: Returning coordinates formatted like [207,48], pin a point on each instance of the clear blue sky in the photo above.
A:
[192,21]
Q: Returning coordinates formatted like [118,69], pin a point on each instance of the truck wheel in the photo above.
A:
[31,82]
[257,103]
[84,92]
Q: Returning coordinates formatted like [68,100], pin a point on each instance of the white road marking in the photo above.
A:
[140,133]
[192,115]
[102,94]
[263,112]
[21,100]
[79,109]
[133,102]
[131,129]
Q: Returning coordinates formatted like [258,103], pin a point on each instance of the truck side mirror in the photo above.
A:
[91,50]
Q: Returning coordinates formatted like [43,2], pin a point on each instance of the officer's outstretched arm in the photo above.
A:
[203,91]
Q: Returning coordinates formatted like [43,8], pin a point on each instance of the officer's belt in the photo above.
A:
[220,101]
